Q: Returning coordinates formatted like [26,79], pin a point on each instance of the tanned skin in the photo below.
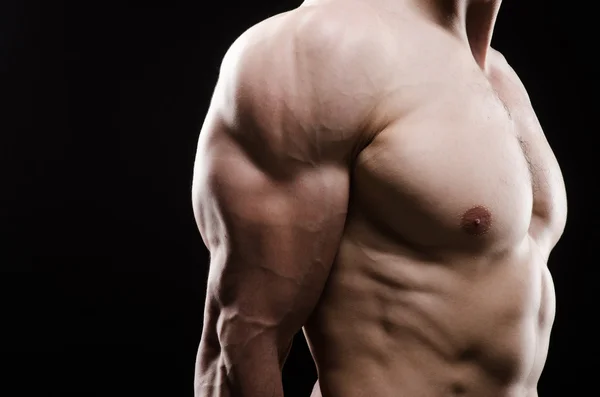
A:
[373,172]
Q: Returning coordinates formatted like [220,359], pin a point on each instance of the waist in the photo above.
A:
[373,380]
[474,326]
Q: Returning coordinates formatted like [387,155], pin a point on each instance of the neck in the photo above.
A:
[472,20]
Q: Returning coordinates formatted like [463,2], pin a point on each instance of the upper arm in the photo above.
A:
[272,241]
[270,196]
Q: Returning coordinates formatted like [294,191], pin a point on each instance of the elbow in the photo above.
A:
[231,363]
[209,357]
[212,377]
[225,372]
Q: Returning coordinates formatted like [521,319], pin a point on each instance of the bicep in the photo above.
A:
[272,240]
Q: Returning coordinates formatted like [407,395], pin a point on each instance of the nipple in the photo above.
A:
[476,221]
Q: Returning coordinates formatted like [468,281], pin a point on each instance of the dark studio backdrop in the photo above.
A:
[103,270]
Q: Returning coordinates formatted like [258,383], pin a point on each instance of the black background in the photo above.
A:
[104,271]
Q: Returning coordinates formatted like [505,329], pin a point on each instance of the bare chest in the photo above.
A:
[467,167]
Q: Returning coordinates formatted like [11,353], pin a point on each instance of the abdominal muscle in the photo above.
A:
[396,322]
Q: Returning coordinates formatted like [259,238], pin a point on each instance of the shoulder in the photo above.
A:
[311,67]
[315,46]
[505,75]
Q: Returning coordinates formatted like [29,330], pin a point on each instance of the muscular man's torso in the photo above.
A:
[440,286]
